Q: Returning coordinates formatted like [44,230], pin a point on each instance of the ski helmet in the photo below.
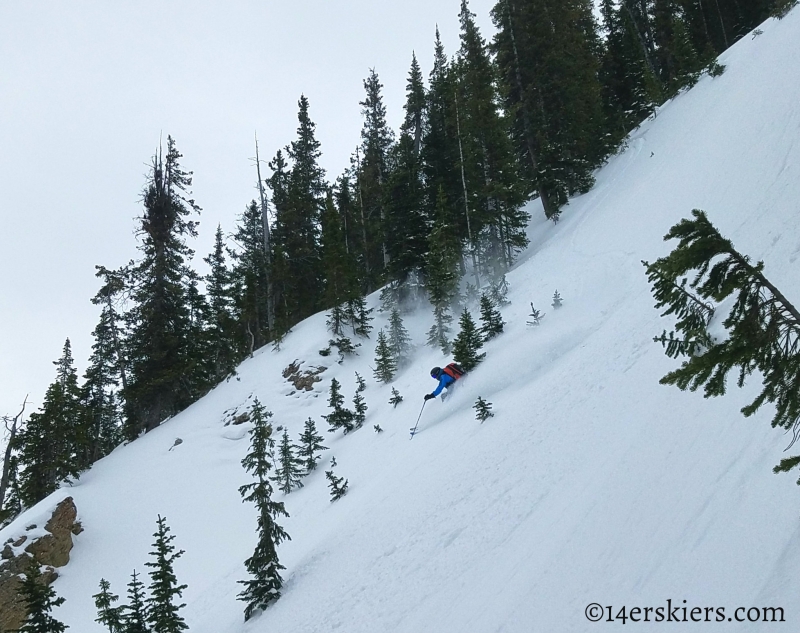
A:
[436,372]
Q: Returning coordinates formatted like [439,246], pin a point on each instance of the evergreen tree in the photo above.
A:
[557,301]
[547,52]
[359,404]
[310,445]
[288,468]
[39,598]
[535,315]
[376,140]
[385,363]
[338,485]
[160,347]
[491,320]
[442,275]
[359,316]
[396,398]
[763,327]
[134,614]
[223,351]
[483,410]
[162,612]
[53,438]
[399,339]
[341,284]
[265,583]
[107,614]
[339,418]
[467,343]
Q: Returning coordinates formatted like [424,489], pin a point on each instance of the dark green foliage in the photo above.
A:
[345,347]
[265,583]
[385,362]
[715,69]
[467,343]
[224,351]
[338,485]
[483,410]
[442,274]
[557,301]
[781,8]
[54,441]
[107,614]
[39,598]
[288,468]
[359,316]
[339,417]
[359,404]
[763,327]
[498,292]
[134,614]
[310,445]
[547,55]
[491,319]
[162,613]
[396,398]
[399,339]
[378,428]
[163,359]
[341,284]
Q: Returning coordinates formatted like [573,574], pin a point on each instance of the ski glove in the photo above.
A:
[429,396]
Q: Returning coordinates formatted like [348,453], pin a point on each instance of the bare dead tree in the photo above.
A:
[12,426]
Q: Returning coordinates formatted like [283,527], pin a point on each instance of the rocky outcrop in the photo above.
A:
[50,550]
[303,380]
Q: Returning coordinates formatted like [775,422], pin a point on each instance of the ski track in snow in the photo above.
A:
[592,483]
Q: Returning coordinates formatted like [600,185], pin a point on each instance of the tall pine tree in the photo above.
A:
[162,612]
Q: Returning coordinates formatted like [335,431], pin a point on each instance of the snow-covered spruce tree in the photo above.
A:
[39,598]
[557,300]
[162,613]
[339,417]
[483,410]
[288,468]
[399,339]
[385,362]
[491,320]
[763,326]
[359,404]
[467,343]
[358,315]
[310,445]
[160,348]
[264,586]
[134,613]
[107,614]
[396,398]
[338,485]
[498,291]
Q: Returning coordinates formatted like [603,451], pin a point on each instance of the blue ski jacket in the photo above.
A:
[445,380]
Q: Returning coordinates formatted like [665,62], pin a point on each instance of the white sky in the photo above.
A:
[87,87]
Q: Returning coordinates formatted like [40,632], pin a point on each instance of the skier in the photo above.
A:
[447,378]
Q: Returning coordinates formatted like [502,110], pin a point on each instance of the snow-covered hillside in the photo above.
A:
[592,483]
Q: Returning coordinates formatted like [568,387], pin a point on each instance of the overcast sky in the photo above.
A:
[88,86]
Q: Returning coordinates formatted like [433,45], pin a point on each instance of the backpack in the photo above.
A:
[454,370]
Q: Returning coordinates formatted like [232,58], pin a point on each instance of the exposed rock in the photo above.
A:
[303,380]
[49,551]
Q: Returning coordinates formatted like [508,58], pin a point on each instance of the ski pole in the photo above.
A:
[414,430]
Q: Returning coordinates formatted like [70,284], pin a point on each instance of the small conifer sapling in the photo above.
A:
[134,618]
[483,410]
[359,404]
[107,614]
[339,417]
[385,362]
[535,315]
[338,485]
[310,445]
[491,320]
[378,428]
[289,467]
[557,301]
[162,612]
[396,398]
[467,343]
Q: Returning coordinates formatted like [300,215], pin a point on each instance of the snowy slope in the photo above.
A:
[592,483]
